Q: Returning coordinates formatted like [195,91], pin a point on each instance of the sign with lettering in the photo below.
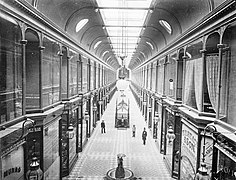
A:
[13,164]
[189,152]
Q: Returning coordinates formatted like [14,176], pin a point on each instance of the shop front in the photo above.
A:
[171,137]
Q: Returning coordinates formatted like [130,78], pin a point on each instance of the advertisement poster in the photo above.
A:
[13,165]
[188,153]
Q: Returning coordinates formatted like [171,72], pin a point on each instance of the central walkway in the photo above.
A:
[100,153]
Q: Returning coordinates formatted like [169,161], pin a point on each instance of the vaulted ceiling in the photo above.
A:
[165,21]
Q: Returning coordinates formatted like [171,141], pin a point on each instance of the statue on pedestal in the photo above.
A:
[120,172]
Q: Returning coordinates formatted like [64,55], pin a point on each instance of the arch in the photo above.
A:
[73,14]
[156,29]
[211,43]
[96,40]
[32,65]
[87,30]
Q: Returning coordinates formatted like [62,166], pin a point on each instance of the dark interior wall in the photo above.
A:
[230,40]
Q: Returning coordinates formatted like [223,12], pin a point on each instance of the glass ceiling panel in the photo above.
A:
[128,3]
[127,31]
[129,46]
[119,40]
[123,17]
[124,20]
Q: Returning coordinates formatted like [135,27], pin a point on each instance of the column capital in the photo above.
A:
[220,46]
[23,41]
[41,47]
[203,51]
[185,57]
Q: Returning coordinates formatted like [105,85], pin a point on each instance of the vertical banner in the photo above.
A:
[188,153]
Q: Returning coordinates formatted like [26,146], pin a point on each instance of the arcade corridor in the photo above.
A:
[100,152]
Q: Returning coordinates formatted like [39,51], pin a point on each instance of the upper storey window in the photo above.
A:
[166,25]
[80,24]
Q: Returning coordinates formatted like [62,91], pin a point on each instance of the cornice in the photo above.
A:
[26,8]
[187,36]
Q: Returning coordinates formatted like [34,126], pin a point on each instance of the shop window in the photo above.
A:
[10,70]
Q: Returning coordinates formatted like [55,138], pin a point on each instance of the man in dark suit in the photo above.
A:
[103,127]
[144,136]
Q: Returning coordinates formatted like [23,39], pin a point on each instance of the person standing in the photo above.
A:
[103,127]
[144,136]
[133,130]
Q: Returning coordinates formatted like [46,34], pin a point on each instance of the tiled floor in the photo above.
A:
[100,153]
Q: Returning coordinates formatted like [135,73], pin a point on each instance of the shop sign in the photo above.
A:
[188,153]
[13,164]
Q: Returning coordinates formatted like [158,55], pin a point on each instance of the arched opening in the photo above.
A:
[50,72]
[229,74]
[33,83]
[64,72]
[180,69]
[10,69]
[193,76]
[211,71]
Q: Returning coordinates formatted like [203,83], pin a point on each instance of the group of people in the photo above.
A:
[144,133]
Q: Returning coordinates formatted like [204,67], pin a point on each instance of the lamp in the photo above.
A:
[95,107]
[202,172]
[100,102]
[149,108]
[70,131]
[34,173]
[156,118]
[144,102]
[170,134]
[86,116]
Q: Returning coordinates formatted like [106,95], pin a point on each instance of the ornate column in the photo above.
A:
[23,42]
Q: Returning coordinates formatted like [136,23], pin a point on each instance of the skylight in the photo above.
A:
[124,20]
[80,24]
[166,25]
[97,43]
[103,54]
[150,44]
